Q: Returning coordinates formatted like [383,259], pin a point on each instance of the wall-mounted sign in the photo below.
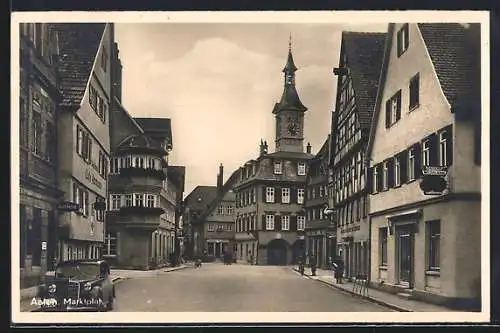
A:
[350,229]
[68,206]
[44,246]
[92,178]
[428,170]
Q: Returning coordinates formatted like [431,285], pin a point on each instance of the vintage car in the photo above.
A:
[78,285]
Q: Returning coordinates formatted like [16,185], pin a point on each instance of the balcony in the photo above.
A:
[141,211]
[143,172]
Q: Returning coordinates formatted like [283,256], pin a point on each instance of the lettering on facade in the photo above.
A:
[92,178]
[350,229]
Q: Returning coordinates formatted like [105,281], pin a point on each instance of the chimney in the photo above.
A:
[220,177]
[265,147]
[308,148]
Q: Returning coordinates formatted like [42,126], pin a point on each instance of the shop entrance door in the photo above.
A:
[405,256]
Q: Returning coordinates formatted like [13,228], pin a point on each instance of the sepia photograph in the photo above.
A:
[250,167]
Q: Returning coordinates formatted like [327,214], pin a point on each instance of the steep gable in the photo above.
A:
[201,197]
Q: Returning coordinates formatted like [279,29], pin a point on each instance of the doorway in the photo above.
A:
[277,252]
[405,245]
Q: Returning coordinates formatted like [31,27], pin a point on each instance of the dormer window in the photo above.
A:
[403,39]
[278,168]
[302,169]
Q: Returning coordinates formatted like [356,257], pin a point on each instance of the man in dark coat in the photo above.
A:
[339,269]
[312,263]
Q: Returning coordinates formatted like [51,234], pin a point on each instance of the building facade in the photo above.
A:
[270,190]
[428,114]
[358,75]
[176,175]
[83,135]
[219,218]
[320,228]
[39,97]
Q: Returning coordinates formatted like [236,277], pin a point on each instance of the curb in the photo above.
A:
[371,299]
[177,269]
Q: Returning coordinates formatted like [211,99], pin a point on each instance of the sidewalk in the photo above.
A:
[117,275]
[386,299]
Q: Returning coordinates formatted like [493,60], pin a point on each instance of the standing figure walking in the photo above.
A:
[339,269]
[312,264]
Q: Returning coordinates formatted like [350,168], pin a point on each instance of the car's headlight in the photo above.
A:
[87,286]
[95,291]
[52,288]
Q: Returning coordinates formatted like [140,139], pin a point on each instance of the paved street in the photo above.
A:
[217,287]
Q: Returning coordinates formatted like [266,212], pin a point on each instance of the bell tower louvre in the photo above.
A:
[289,111]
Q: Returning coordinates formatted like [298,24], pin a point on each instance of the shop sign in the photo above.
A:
[350,229]
[92,178]
[68,206]
[44,246]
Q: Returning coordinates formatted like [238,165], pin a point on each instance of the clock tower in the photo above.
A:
[289,112]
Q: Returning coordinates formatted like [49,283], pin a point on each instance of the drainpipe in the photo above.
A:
[369,243]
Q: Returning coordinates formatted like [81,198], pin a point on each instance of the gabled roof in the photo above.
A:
[228,186]
[364,52]
[177,174]
[455,53]
[78,46]
[323,151]
[156,126]
[289,155]
[140,141]
[201,197]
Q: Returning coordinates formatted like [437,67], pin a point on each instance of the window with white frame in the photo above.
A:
[150,201]
[375,179]
[269,222]
[110,244]
[269,194]
[301,222]
[115,203]
[220,210]
[397,171]
[402,39]
[278,166]
[321,191]
[211,227]
[426,152]
[114,165]
[385,174]
[138,199]
[285,195]
[229,210]
[443,149]
[411,164]
[285,222]
[433,240]
[300,196]
[81,197]
[302,169]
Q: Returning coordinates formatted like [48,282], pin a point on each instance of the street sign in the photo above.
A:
[44,246]
[68,206]
[428,170]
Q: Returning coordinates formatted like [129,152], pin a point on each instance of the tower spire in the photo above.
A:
[290,43]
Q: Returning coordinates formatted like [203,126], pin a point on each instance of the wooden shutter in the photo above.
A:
[293,194]
[398,99]
[264,193]
[293,223]
[418,157]
[277,222]
[390,172]
[433,150]
[263,222]
[369,180]
[403,166]
[448,134]
[277,194]
[379,177]
[398,42]
[388,113]
[406,31]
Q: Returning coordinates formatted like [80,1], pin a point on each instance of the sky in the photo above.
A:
[218,83]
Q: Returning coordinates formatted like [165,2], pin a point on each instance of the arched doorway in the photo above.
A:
[277,252]
[298,249]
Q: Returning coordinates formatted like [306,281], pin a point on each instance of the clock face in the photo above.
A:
[293,128]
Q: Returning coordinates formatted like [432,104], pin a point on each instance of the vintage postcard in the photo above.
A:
[239,167]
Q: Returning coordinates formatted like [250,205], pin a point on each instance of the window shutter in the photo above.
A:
[263,223]
[379,177]
[388,113]
[448,134]
[293,223]
[433,150]
[293,194]
[398,42]
[390,172]
[77,138]
[406,31]
[418,158]
[369,180]
[277,194]
[264,193]
[403,162]
[277,222]
[398,99]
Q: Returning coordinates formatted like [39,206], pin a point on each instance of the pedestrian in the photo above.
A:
[312,264]
[339,269]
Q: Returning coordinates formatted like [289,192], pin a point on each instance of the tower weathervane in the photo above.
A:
[290,42]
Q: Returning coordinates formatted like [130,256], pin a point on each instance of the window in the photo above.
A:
[37,133]
[23,123]
[443,149]
[302,169]
[50,142]
[385,175]
[321,193]
[114,165]
[104,60]
[278,168]
[397,171]
[285,195]
[269,194]
[115,201]
[211,227]
[151,200]
[220,210]
[128,200]
[103,164]
[434,235]
[269,222]
[403,39]
[285,222]
[300,196]
[383,246]
[110,242]
[375,179]
[101,108]
[393,110]
[151,163]
[93,97]
[411,164]
[301,223]
[229,210]
[139,200]
[414,92]
[426,153]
